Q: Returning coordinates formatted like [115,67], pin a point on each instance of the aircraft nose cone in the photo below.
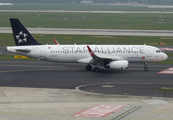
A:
[165,56]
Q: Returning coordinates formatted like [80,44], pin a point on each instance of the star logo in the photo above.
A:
[22,37]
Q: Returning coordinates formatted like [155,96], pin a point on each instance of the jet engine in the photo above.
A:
[120,64]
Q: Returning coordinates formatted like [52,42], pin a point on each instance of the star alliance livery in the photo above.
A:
[108,56]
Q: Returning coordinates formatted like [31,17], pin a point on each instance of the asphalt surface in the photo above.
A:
[94,31]
[43,90]
[41,74]
[4,52]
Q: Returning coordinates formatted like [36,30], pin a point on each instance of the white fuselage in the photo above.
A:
[76,53]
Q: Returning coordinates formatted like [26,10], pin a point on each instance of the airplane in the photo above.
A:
[109,56]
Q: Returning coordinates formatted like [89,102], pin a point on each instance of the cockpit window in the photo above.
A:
[158,51]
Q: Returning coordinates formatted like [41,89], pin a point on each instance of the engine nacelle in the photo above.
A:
[120,64]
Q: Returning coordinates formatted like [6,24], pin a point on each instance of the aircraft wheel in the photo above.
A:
[88,67]
[96,69]
[146,68]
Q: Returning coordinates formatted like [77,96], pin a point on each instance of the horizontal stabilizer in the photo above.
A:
[23,50]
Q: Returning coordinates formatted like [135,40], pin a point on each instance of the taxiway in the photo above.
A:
[69,31]
[47,90]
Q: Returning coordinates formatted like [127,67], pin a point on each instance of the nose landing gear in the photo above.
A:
[145,68]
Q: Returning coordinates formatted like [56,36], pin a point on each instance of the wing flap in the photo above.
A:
[85,60]
[110,57]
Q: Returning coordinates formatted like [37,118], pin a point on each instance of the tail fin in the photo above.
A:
[21,34]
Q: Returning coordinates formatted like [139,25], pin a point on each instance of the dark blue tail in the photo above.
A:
[21,34]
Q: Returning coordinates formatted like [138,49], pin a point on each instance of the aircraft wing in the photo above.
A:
[103,57]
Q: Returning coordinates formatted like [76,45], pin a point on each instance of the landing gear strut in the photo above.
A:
[145,68]
[88,67]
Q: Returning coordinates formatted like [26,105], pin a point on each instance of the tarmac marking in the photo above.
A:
[126,113]
[99,110]
[167,71]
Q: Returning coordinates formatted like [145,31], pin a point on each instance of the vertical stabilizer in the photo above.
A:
[21,34]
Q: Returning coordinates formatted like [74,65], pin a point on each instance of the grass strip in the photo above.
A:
[170,54]
[168,61]
[90,20]
[7,39]
[164,90]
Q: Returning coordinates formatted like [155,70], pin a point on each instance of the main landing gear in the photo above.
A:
[89,67]
[145,68]
[96,69]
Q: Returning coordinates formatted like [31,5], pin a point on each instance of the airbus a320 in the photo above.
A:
[109,56]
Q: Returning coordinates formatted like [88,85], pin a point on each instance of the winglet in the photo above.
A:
[56,42]
[90,51]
